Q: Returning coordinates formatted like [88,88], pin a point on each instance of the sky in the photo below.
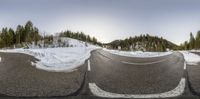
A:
[107,20]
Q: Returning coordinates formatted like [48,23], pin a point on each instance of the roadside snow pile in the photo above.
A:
[138,53]
[194,50]
[191,58]
[59,59]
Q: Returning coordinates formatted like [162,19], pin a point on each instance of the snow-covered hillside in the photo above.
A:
[138,53]
[58,42]
[68,42]
[60,58]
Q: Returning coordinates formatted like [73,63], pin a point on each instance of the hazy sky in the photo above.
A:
[107,19]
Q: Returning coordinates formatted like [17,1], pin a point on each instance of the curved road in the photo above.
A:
[112,74]
[194,77]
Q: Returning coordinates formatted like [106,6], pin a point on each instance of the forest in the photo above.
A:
[28,33]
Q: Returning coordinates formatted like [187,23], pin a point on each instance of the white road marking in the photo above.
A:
[184,66]
[89,69]
[125,62]
[0,59]
[148,63]
[173,93]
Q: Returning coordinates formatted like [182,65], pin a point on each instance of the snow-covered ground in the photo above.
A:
[138,53]
[59,59]
[191,58]
[193,50]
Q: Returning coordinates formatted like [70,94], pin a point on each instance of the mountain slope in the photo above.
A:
[142,43]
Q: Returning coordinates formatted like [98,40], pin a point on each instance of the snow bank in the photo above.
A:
[138,53]
[59,59]
[193,50]
[191,58]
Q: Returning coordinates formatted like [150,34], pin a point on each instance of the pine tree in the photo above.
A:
[192,41]
[186,45]
[197,41]
[19,33]
[94,40]
[11,37]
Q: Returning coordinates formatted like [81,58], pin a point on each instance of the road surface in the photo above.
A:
[19,78]
[104,75]
[111,74]
[194,77]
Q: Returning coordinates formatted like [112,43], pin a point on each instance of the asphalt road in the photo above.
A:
[111,73]
[194,77]
[19,78]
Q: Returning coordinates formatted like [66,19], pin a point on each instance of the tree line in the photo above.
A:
[22,34]
[80,36]
[28,33]
[144,43]
[193,43]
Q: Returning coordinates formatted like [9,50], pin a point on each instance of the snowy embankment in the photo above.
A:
[191,58]
[61,59]
[194,50]
[139,54]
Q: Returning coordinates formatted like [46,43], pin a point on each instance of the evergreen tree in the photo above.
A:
[19,34]
[186,46]
[192,41]
[94,40]
[197,41]
[11,37]
[28,31]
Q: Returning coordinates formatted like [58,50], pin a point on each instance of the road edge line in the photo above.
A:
[89,69]
[148,63]
[185,65]
[179,90]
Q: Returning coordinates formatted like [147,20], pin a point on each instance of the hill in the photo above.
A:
[142,43]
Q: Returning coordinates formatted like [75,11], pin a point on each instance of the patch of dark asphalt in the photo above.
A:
[19,78]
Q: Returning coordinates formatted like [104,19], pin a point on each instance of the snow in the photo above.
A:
[138,53]
[60,59]
[177,91]
[193,50]
[191,58]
